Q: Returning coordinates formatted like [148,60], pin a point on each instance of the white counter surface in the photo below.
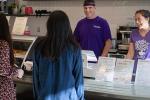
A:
[109,89]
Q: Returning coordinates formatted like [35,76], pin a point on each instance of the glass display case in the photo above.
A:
[21,46]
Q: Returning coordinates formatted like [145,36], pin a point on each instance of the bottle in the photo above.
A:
[15,10]
[5,7]
[1,6]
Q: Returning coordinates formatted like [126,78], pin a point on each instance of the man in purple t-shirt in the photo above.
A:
[93,32]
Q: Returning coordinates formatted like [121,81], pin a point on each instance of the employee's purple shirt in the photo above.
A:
[92,34]
[141,45]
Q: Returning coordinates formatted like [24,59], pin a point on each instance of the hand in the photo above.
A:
[20,73]
[28,65]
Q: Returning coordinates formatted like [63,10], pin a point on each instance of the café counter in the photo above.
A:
[99,88]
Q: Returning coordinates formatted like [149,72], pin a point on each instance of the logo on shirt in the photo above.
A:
[141,46]
[95,26]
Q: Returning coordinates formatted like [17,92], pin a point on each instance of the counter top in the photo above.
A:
[103,88]
[123,91]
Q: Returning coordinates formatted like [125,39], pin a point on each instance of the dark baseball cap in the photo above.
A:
[89,3]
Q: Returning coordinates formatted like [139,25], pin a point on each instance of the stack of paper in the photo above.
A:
[105,71]
[123,71]
[143,73]
[90,55]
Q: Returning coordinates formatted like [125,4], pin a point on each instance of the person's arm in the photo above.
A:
[130,53]
[107,46]
[78,75]
[6,70]
[107,38]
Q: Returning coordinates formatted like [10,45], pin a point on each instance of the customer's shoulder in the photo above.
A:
[3,43]
[74,49]
[39,42]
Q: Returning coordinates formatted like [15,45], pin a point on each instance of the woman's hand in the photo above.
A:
[20,73]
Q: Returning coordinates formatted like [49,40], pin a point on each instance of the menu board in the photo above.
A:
[90,71]
[105,71]
[19,25]
[143,73]
[123,70]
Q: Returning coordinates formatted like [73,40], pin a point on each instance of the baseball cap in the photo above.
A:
[89,3]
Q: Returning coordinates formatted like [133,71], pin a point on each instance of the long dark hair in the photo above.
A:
[5,35]
[144,13]
[59,35]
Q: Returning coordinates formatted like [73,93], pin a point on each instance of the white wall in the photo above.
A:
[117,12]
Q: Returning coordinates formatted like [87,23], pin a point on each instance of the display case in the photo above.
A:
[21,47]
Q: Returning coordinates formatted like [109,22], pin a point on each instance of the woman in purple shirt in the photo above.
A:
[140,39]
[139,47]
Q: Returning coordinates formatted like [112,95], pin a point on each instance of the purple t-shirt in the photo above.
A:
[141,48]
[141,45]
[92,34]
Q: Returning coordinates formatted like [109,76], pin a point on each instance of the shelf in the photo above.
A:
[23,15]
[20,56]
[23,38]
[125,32]
[19,53]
